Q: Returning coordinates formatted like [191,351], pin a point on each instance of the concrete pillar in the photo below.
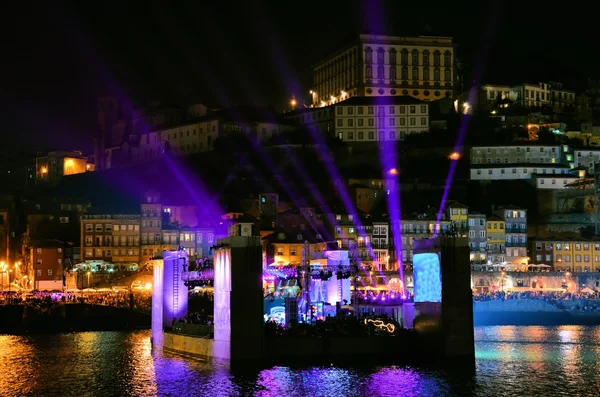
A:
[457,301]
[447,313]
[238,299]
[169,294]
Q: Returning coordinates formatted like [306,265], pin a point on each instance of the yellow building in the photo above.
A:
[458,214]
[345,232]
[287,249]
[496,239]
[576,255]
[51,168]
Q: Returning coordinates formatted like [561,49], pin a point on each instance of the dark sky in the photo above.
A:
[60,56]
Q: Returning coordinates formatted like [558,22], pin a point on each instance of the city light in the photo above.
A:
[454,156]
[393,172]
[293,103]
[466,108]
[43,170]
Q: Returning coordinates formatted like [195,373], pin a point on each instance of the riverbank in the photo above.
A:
[19,319]
[530,312]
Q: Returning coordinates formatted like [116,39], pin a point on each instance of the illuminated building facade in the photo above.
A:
[458,214]
[111,237]
[47,261]
[495,227]
[373,65]
[477,238]
[515,219]
[541,252]
[288,249]
[576,255]
[151,229]
[132,239]
[417,227]
[510,162]
[52,167]
[369,119]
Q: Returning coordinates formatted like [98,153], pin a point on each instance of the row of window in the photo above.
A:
[381,110]
[360,135]
[526,149]
[567,246]
[415,75]
[39,262]
[517,160]
[39,251]
[425,56]
[526,171]
[147,238]
[391,122]
[99,227]
[102,253]
[578,258]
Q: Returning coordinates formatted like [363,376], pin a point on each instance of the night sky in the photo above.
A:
[58,60]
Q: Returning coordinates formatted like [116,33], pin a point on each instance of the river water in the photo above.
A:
[511,361]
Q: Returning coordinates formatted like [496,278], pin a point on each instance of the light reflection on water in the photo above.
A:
[511,361]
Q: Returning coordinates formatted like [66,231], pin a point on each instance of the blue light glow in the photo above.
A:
[427,277]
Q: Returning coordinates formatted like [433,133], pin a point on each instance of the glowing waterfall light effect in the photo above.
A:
[427,277]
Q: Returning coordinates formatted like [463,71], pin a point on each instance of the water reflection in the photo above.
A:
[510,361]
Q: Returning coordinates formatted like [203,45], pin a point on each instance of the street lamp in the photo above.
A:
[88,279]
[502,282]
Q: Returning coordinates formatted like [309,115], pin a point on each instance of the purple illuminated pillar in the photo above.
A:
[157,305]
[175,293]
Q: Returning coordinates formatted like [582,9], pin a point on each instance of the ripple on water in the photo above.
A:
[511,361]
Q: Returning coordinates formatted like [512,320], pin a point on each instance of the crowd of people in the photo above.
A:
[137,300]
[586,302]
[549,296]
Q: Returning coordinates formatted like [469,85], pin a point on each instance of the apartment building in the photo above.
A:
[515,220]
[495,227]
[477,238]
[131,239]
[47,261]
[378,119]
[375,65]
[541,253]
[514,162]
[419,226]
